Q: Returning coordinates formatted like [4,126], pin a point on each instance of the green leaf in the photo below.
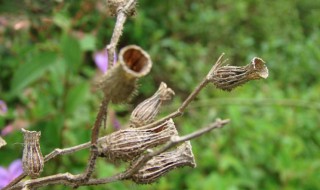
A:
[71,52]
[31,71]
[76,96]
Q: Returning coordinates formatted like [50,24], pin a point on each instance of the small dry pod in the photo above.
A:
[147,110]
[163,163]
[120,82]
[129,143]
[32,159]
[229,77]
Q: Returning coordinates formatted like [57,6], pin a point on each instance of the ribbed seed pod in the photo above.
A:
[129,143]
[32,159]
[163,163]
[120,82]
[229,77]
[146,111]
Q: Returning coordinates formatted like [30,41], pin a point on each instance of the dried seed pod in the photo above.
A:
[32,159]
[129,143]
[115,5]
[229,77]
[119,83]
[146,111]
[163,163]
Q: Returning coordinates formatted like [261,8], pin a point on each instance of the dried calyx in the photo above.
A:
[120,82]
[147,110]
[129,143]
[163,163]
[229,77]
[32,159]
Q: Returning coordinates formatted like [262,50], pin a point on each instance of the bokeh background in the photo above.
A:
[47,72]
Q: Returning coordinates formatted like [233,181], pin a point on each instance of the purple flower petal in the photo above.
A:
[15,168]
[101,60]
[4,174]
[3,108]
[116,124]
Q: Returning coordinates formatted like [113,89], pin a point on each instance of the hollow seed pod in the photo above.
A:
[32,159]
[120,82]
[129,143]
[165,162]
[147,110]
[229,77]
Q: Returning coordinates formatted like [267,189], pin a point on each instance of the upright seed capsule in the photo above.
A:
[147,110]
[32,159]
[163,163]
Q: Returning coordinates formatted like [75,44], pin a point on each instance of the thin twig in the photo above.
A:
[117,32]
[190,98]
[94,139]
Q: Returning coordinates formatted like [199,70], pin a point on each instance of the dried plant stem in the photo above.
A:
[190,98]
[94,139]
[117,32]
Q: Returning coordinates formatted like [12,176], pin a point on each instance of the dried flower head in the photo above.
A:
[115,5]
[163,163]
[146,111]
[32,158]
[119,83]
[129,143]
[229,77]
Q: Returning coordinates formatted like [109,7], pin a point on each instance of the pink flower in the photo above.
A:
[10,173]
[101,60]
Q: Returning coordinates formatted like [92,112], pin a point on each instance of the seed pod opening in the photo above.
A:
[32,159]
[120,82]
[165,162]
[229,77]
[129,143]
[147,110]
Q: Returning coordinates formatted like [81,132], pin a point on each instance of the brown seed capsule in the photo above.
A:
[120,82]
[146,111]
[229,77]
[129,143]
[32,159]
[163,163]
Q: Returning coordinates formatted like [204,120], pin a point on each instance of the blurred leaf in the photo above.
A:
[71,52]
[31,71]
[76,96]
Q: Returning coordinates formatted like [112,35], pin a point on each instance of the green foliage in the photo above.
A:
[272,142]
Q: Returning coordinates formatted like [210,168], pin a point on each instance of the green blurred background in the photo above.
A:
[273,141]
